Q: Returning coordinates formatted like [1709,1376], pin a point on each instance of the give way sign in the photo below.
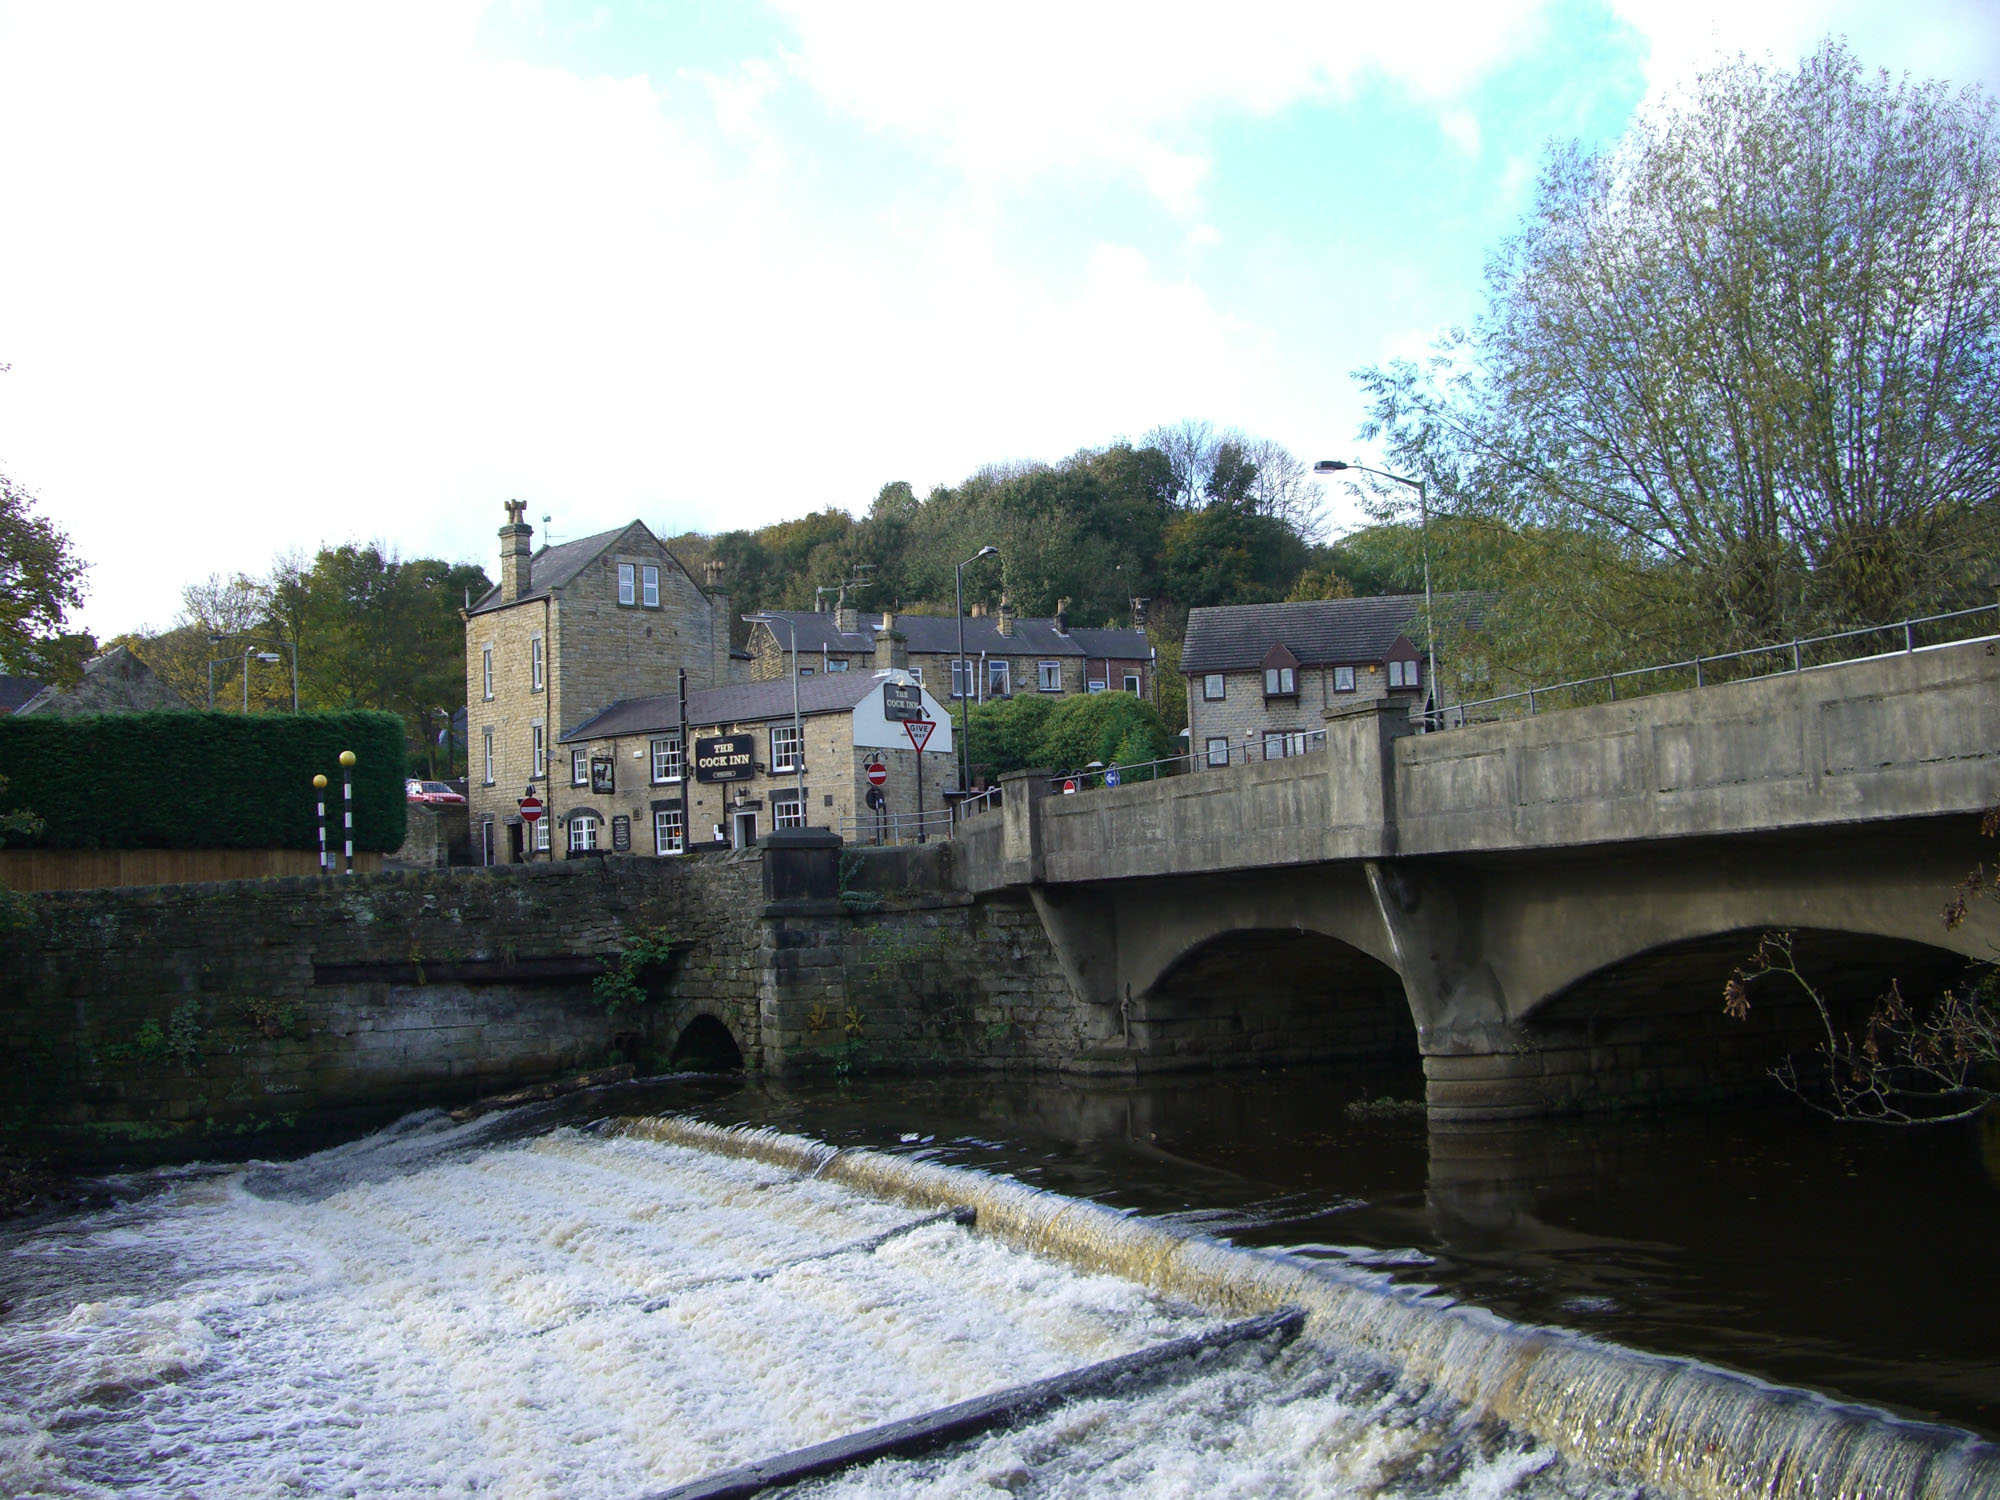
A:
[919,731]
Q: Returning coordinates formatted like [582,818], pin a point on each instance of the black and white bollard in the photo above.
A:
[347,801]
[319,789]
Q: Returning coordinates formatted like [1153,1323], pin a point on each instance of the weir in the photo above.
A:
[1687,1428]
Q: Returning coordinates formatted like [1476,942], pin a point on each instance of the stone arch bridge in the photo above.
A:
[1544,909]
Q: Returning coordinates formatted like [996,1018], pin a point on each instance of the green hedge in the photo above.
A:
[201,781]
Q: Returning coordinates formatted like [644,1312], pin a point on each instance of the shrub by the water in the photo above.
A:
[200,781]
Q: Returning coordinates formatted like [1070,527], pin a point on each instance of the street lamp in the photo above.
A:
[962,679]
[1335,466]
[798,725]
[250,654]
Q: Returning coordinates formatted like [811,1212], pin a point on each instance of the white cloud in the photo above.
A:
[1048,86]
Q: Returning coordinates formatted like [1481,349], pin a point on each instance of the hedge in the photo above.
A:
[201,781]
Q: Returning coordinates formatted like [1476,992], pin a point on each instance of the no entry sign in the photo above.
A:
[531,809]
[877,774]
[919,731]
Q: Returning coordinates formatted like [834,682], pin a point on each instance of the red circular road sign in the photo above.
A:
[531,809]
[877,774]
[1069,786]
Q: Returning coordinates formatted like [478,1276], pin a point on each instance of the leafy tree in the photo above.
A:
[41,581]
[1222,554]
[1753,353]
[1068,733]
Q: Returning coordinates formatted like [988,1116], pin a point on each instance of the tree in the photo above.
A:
[1754,349]
[41,581]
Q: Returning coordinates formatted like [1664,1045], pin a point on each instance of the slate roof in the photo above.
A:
[14,691]
[738,703]
[552,567]
[1118,645]
[937,635]
[1235,637]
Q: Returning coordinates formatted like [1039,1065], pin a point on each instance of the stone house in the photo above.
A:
[568,631]
[116,682]
[1005,653]
[1260,677]
[625,784]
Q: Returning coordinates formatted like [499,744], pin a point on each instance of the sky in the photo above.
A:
[277,275]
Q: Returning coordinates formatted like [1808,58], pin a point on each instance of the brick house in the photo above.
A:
[568,631]
[1005,653]
[1260,677]
[625,782]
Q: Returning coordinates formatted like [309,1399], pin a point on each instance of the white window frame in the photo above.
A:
[1131,684]
[537,664]
[1048,676]
[1218,750]
[999,677]
[628,586]
[1343,679]
[836,664]
[579,766]
[788,810]
[486,672]
[669,837]
[791,756]
[649,586]
[964,673]
[583,828]
[1095,685]
[669,765]
[486,740]
[542,833]
[916,675]
[541,754]
[1214,687]
[486,846]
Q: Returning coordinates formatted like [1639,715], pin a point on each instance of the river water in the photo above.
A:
[528,1307]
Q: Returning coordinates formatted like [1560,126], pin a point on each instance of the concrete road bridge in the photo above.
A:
[1545,910]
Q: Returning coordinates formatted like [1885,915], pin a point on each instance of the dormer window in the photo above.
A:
[1403,674]
[1281,673]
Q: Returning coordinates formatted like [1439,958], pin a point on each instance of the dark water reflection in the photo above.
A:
[1858,1262]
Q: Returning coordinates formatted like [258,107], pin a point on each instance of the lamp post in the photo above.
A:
[1335,466]
[250,654]
[798,725]
[962,683]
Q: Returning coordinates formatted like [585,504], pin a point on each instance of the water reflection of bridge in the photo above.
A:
[1545,909]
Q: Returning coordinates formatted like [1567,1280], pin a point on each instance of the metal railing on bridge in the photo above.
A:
[1801,654]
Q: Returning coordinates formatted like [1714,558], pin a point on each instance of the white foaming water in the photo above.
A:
[432,1313]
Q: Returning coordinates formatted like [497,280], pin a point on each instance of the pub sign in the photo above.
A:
[902,702]
[727,757]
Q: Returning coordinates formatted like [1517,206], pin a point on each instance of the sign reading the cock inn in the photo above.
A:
[728,757]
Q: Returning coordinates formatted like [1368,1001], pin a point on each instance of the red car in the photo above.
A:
[432,794]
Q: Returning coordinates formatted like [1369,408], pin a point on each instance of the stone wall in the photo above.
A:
[176,1018]
[249,1015]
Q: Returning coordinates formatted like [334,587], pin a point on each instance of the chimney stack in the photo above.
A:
[846,618]
[1062,617]
[516,554]
[892,647]
[1006,616]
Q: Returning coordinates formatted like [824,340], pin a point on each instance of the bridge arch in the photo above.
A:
[705,1045]
[1652,1023]
[1273,996]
